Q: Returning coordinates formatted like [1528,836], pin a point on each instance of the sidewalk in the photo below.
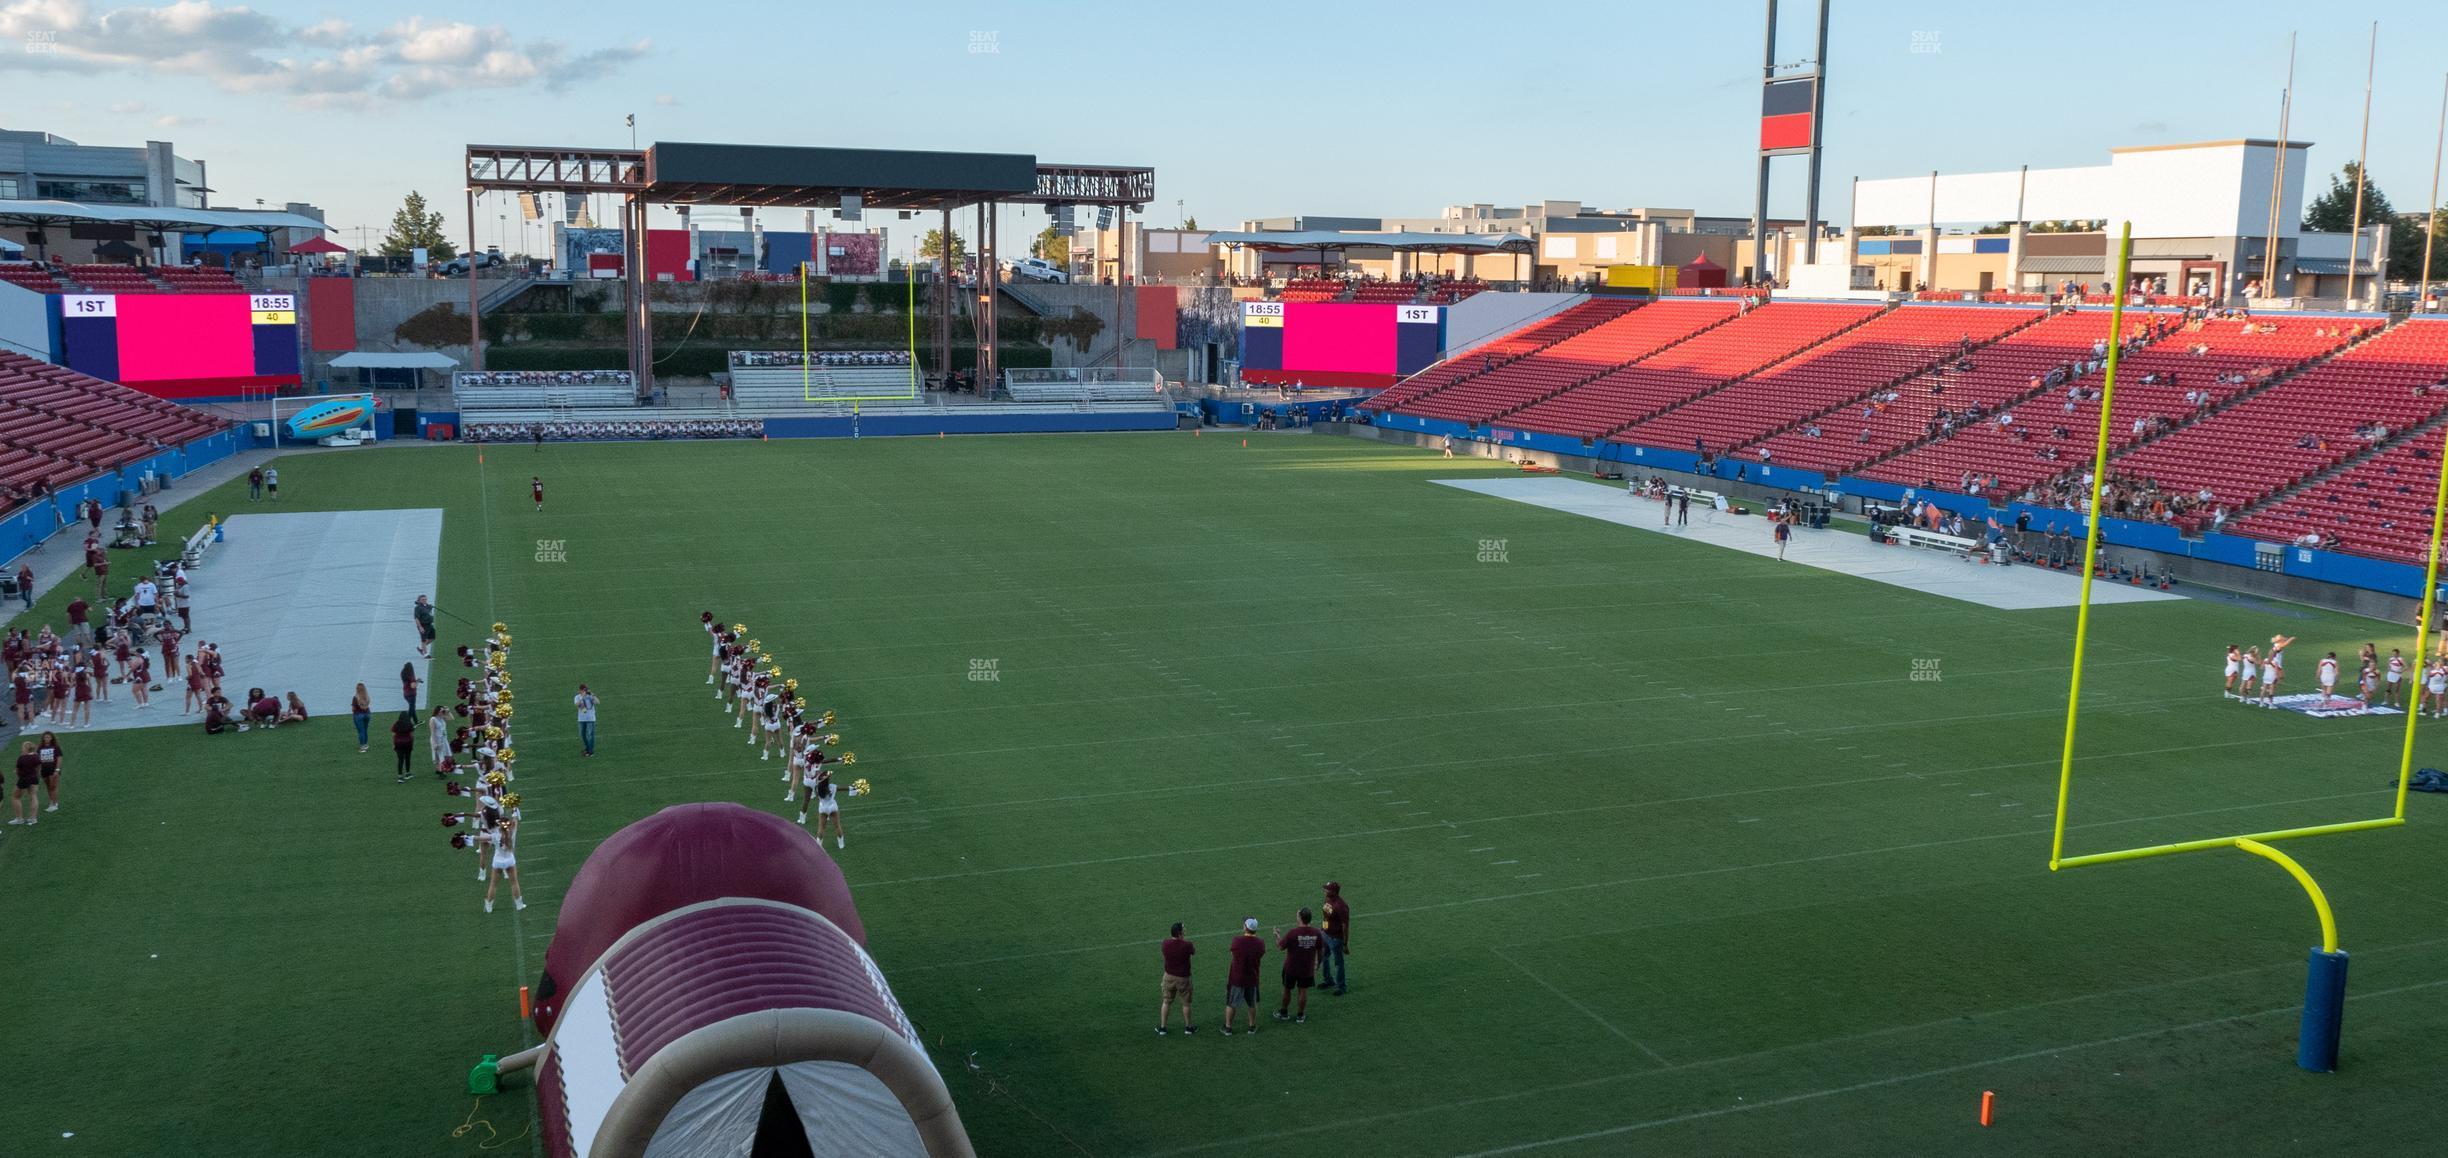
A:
[61,557]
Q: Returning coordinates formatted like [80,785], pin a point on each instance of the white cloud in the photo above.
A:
[127,108]
[325,64]
[174,121]
[667,100]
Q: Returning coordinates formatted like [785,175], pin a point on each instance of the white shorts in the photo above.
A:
[2231,668]
[2269,675]
[2392,677]
[2439,687]
[828,806]
[773,725]
[504,860]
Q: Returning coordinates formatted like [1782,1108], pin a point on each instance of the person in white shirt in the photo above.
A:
[586,703]
[148,596]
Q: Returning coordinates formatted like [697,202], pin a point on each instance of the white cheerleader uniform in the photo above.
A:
[2328,674]
[2439,681]
[828,798]
[503,857]
[2232,664]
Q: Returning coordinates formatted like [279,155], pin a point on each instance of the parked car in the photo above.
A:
[458,266]
[1038,269]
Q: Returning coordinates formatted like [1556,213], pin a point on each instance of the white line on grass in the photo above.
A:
[1609,1079]
[1586,1011]
[1941,1071]
[1605,884]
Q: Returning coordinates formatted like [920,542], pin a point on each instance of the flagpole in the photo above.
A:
[2269,254]
[2354,242]
[2431,207]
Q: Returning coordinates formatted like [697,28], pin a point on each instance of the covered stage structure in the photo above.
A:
[850,181]
[1341,241]
[38,217]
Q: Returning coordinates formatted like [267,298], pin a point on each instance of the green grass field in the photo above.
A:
[1654,848]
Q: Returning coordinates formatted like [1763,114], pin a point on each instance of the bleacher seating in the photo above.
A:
[1322,289]
[57,425]
[1861,431]
[554,397]
[1846,367]
[1616,342]
[1537,335]
[2306,424]
[1397,292]
[2019,455]
[1765,335]
[2379,507]
[31,276]
[1449,292]
[111,279]
[785,388]
[1023,391]
[197,279]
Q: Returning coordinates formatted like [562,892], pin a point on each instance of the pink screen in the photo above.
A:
[185,336]
[1347,336]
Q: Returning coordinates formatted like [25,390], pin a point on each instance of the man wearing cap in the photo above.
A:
[1241,982]
[1176,983]
[1338,937]
[586,703]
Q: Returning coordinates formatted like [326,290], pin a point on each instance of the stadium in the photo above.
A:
[1744,674]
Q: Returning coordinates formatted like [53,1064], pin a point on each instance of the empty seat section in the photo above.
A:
[1743,344]
[1536,336]
[1848,366]
[1576,359]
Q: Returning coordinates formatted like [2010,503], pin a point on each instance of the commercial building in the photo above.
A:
[2201,216]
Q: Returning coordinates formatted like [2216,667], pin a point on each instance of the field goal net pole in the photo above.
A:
[2325,982]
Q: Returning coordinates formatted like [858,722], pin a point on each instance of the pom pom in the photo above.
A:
[832,738]
[495,778]
[849,758]
[739,629]
[500,627]
[460,840]
[511,800]
[450,820]
[860,787]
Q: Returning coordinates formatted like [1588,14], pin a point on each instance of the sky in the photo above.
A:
[1244,110]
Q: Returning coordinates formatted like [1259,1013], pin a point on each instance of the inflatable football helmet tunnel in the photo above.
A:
[708,992]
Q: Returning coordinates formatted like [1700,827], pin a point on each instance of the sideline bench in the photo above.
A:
[1916,537]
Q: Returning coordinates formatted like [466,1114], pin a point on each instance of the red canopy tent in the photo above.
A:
[1701,273]
[318,245]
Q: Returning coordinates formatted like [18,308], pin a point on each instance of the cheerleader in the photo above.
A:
[195,688]
[2250,677]
[122,649]
[2235,660]
[2273,668]
[2435,688]
[2368,679]
[713,632]
[22,686]
[97,669]
[83,682]
[140,677]
[55,687]
[828,804]
[487,818]
[2393,693]
[505,855]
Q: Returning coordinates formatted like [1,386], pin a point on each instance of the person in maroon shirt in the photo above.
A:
[1241,981]
[78,631]
[537,484]
[1301,945]
[1176,983]
[1338,937]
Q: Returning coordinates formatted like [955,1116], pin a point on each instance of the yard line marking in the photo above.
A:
[1720,870]
[1382,792]
[1900,1079]
[1748,820]
[1589,1083]
[1527,876]
[1506,862]
[1585,1010]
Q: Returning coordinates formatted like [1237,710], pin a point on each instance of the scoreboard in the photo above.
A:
[1338,344]
[182,345]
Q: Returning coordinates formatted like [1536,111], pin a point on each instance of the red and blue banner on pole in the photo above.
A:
[1786,123]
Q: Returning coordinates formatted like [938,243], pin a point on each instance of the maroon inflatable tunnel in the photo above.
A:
[678,857]
[708,991]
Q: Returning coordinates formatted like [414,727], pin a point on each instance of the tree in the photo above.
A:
[1053,245]
[2334,211]
[2064,227]
[2406,246]
[932,246]
[1190,222]
[417,227]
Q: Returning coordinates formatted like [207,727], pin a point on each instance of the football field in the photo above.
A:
[1654,847]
